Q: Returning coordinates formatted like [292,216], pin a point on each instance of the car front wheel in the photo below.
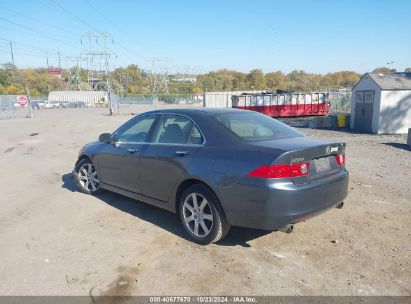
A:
[85,176]
[202,215]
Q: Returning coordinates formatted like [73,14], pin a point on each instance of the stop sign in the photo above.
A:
[22,101]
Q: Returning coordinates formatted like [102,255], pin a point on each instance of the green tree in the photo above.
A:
[196,90]
[256,80]
[276,80]
[297,80]
[384,70]
[13,89]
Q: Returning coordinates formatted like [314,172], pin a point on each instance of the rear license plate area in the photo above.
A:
[322,164]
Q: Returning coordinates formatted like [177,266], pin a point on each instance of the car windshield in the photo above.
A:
[251,126]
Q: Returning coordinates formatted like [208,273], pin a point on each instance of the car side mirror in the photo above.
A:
[104,138]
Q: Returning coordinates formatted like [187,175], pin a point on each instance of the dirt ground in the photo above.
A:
[55,240]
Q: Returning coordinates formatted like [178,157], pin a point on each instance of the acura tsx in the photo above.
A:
[217,168]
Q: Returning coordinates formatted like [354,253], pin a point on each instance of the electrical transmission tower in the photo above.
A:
[159,78]
[73,73]
[97,57]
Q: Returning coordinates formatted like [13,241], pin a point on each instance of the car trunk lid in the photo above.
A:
[319,153]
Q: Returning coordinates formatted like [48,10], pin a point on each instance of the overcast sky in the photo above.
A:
[198,36]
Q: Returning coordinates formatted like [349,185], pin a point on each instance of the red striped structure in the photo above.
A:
[284,105]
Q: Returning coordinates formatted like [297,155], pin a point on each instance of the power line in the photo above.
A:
[53,26]
[128,50]
[159,77]
[39,33]
[114,24]
[29,45]
[92,27]
[21,31]
[100,13]
[74,15]
[11,46]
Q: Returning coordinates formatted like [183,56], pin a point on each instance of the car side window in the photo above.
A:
[174,129]
[195,137]
[137,131]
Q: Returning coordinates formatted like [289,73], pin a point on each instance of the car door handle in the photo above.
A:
[182,153]
[131,150]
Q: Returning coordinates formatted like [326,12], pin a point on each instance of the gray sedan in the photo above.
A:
[216,168]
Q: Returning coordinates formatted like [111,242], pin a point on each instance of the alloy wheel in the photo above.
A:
[87,177]
[198,215]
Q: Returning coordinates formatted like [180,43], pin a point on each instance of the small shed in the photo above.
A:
[381,103]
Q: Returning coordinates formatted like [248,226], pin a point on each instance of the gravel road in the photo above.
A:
[58,241]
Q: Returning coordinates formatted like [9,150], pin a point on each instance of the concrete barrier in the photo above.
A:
[319,122]
[327,122]
[332,121]
[348,120]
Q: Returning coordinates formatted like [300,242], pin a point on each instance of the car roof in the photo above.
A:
[209,111]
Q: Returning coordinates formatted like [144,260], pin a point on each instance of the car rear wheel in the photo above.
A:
[85,176]
[202,215]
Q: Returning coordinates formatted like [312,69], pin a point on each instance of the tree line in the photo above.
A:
[133,80]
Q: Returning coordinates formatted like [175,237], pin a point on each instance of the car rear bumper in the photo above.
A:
[280,203]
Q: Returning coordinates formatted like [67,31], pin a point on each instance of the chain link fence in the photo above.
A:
[136,103]
[10,108]
[340,100]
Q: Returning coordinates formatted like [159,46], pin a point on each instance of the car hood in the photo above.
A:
[89,147]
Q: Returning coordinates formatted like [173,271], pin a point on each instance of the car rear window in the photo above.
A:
[253,126]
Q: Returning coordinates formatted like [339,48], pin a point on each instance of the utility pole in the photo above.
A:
[59,55]
[97,58]
[30,113]
[47,60]
[11,52]
[159,78]
[389,64]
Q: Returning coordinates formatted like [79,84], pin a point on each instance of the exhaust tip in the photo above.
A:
[340,205]
[287,229]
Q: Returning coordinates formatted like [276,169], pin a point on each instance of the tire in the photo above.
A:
[208,215]
[87,181]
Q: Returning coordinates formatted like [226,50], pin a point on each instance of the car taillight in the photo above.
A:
[340,158]
[281,171]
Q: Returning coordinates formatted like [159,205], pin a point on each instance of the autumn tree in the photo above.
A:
[256,80]
[276,80]
[384,70]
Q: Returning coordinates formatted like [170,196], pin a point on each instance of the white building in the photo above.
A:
[89,98]
[381,103]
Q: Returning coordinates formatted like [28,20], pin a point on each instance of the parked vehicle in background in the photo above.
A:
[216,168]
[51,104]
[64,104]
[37,104]
[77,104]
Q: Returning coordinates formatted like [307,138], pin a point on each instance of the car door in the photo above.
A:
[118,162]
[164,161]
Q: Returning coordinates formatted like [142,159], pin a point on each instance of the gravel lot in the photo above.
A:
[58,241]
